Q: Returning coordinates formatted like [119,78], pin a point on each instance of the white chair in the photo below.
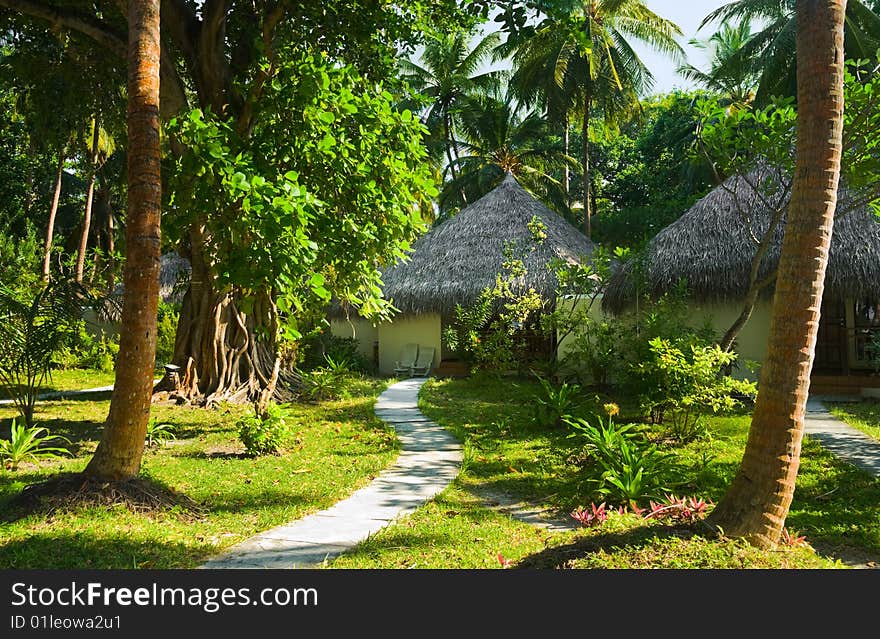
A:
[424,362]
[408,355]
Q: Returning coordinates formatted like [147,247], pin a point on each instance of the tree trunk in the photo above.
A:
[87,216]
[111,247]
[50,229]
[452,159]
[121,448]
[566,173]
[585,134]
[758,500]
[224,353]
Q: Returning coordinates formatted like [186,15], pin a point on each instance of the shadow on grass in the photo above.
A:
[558,557]
[54,549]
[70,492]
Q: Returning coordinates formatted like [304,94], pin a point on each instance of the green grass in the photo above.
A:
[338,447]
[73,379]
[836,506]
[863,415]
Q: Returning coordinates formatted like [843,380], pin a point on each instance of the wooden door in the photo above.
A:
[831,341]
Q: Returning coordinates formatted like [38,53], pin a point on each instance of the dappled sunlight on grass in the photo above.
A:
[335,448]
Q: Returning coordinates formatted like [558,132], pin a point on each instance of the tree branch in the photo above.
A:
[97,30]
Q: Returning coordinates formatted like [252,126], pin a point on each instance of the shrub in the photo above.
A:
[686,383]
[263,434]
[553,404]
[323,384]
[595,348]
[315,351]
[29,444]
[623,466]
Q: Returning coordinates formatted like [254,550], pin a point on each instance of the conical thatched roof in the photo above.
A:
[710,248]
[455,261]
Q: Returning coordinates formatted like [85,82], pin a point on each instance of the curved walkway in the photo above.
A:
[429,460]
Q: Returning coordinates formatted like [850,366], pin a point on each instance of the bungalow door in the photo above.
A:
[831,342]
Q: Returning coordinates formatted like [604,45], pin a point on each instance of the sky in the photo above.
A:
[687,14]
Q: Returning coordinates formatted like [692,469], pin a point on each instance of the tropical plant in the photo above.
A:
[28,444]
[263,433]
[621,465]
[496,142]
[442,81]
[32,332]
[768,51]
[736,81]
[585,48]
[554,403]
[159,432]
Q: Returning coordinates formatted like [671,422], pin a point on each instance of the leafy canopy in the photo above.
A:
[324,191]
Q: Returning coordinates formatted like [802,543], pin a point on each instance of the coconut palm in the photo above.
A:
[447,74]
[496,141]
[737,82]
[585,48]
[119,453]
[769,51]
[758,500]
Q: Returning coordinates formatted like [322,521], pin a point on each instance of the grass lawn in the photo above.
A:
[338,447]
[836,506]
[73,379]
[864,415]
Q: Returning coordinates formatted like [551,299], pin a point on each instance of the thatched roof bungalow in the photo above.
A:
[456,260]
[710,248]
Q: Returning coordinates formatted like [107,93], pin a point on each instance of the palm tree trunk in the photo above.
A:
[53,211]
[585,134]
[566,174]
[757,503]
[450,149]
[119,453]
[87,216]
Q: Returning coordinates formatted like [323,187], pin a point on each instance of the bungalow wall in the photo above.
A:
[422,329]
[382,344]
[751,345]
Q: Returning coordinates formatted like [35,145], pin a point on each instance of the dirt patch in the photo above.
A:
[73,491]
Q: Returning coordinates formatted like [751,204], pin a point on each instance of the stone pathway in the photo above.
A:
[844,441]
[429,460]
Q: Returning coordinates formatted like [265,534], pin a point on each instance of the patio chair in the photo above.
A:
[408,355]
[424,362]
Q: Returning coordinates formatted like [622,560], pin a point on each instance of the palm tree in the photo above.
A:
[584,47]
[757,502]
[119,453]
[497,141]
[448,74]
[769,51]
[736,81]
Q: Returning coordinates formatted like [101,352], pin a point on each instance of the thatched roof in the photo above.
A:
[710,248]
[455,261]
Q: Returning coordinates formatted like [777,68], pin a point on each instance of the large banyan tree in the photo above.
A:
[292,177]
